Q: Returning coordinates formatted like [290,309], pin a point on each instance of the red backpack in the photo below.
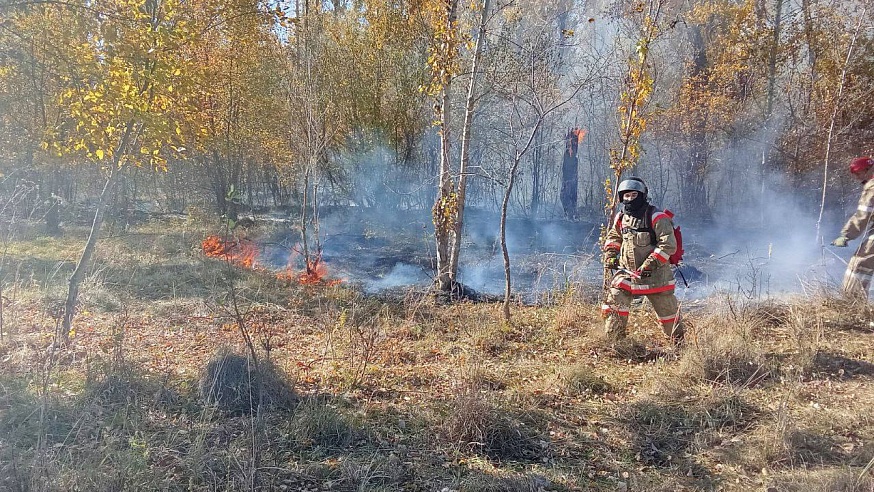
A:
[677,257]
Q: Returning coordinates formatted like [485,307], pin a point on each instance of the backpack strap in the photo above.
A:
[647,224]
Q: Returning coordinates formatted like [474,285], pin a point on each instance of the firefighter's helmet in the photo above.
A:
[861,164]
[631,184]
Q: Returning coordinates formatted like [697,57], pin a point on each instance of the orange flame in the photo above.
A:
[315,273]
[240,252]
[244,253]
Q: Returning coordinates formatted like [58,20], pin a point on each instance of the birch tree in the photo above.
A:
[121,76]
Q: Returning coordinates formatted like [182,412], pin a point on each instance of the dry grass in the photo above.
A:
[580,379]
[725,352]
[393,393]
[476,424]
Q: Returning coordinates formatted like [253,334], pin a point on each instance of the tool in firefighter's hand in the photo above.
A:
[835,255]
[679,269]
[840,242]
[632,274]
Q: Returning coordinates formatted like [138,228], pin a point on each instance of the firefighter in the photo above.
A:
[857,278]
[640,255]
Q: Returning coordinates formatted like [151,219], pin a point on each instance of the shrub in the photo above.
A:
[230,383]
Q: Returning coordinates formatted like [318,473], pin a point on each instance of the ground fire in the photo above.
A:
[244,253]
[237,251]
[315,273]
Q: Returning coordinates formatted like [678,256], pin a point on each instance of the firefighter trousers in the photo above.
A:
[860,270]
[665,304]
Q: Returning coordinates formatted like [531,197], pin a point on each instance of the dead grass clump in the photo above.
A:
[476,425]
[374,473]
[569,317]
[122,387]
[827,364]
[722,353]
[514,483]
[477,378]
[787,445]
[726,413]
[230,383]
[26,418]
[277,389]
[317,422]
[660,432]
[767,314]
[573,314]
[847,313]
[818,480]
[580,379]
[491,340]
[409,331]
[805,326]
[808,447]
[634,350]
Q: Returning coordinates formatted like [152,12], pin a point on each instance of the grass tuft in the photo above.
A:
[513,483]
[317,422]
[474,424]
[722,352]
[580,379]
[660,432]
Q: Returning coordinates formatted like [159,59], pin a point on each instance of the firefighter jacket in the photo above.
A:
[628,240]
[859,222]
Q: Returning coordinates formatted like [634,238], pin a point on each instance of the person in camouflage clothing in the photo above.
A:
[639,255]
[857,278]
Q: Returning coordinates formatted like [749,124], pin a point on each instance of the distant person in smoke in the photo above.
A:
[860,269]
[639,255]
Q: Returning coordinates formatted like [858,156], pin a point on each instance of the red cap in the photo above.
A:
[861,164]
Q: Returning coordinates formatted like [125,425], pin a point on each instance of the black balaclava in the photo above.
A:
[636,207]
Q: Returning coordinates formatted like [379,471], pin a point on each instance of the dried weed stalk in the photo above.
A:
[723,350]
[475,424]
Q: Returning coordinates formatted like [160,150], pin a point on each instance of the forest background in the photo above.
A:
[721,106]
[186,120]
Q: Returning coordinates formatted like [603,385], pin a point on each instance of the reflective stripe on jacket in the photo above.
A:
[635,246]
[858,223]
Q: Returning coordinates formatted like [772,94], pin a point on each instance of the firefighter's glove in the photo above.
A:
[645,270]
[840,242]
[611,262]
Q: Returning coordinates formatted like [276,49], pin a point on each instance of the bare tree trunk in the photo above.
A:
[464,159]
[631,126]
[537,173]
[445,206]
[570,174]
[695,188]
[831,126]
[772,58]
[504,251]
[520,152]
[808,34]
[90,245]
[304,240]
